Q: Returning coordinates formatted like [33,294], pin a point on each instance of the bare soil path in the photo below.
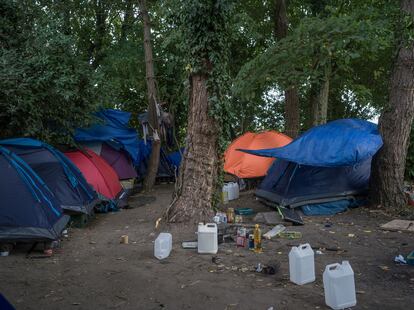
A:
[94,271]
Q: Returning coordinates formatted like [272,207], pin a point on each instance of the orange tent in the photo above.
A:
[245,165]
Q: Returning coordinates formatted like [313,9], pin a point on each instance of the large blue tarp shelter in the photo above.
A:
[113,128]
[62,177]
[327,163]
[29,211]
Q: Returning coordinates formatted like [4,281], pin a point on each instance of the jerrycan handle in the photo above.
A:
[304,246]
[332,267]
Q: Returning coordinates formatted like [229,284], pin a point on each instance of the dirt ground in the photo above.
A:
[93,270]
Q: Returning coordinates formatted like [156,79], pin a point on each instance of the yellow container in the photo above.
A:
[257,236]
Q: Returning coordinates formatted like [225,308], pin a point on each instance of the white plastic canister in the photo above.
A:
[302,264]
[339,286]
[225,194]
[207,238]
[236,190]
[230,187]
[163,245]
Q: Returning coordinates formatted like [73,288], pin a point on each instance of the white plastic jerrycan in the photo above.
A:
[231,191]
[225,194]
[339,286]
[302,264]
[163,245]
[234,190]
[207,238]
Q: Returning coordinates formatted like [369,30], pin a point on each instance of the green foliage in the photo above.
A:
[204,32]
[83,54]
[46,90]
[353,41]
[301,58]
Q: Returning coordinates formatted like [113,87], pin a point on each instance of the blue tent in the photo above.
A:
[63,178]
[114,128]
[29,211]
[328,163]
[175,158]
[168,164]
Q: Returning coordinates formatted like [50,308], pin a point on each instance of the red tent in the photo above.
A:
[97,172]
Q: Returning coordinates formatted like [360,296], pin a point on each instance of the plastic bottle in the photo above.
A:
[230,215]
[302,264]
[257,235]
[274,231]
[339,286]
[251,242]
[163,245]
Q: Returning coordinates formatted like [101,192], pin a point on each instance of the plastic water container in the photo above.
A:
[231,191]
[163,245]
[207,238]
[225,194]
[302,264]
[236,190]
[339,286]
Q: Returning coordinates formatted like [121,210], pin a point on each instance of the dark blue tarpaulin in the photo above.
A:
[168,165]
[327,163]
[114,128]
[330,208]
[343,142]
[175,158]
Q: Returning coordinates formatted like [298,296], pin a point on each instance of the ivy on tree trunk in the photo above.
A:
[204,28]
[198,172]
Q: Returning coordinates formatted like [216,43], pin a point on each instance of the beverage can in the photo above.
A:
[251,242]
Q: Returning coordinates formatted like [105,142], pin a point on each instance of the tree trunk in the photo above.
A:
[320,105]
[312,102]
[292,112]
[198,171]
[100,27]
[149,180]
[387,177]
[128,20]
